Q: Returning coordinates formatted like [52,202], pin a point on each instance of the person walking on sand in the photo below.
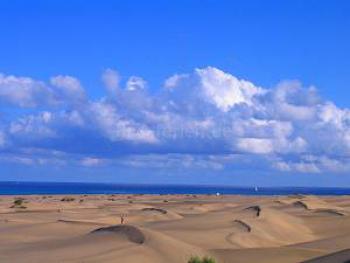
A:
[122,218]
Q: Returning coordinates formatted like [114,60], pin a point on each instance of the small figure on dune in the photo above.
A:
[122,218]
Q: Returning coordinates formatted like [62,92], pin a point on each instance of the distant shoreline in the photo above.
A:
[59,188]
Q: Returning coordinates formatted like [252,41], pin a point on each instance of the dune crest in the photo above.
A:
[244,226]
[153,209]
[133,233]
[270,229]
[256,209]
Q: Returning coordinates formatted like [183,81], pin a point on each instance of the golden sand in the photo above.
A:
[172,228]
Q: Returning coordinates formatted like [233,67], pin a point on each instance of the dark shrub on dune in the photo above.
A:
[67,199]
[18,203]
[201,260]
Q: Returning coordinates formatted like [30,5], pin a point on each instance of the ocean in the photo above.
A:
[26,188]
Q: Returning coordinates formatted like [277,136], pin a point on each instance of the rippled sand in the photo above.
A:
[171,228]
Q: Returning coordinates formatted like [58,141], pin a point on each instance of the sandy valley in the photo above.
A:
[172,228]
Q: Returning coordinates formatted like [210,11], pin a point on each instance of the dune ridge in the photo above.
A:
[133,233]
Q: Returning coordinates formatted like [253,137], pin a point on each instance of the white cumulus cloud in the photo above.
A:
[205,118]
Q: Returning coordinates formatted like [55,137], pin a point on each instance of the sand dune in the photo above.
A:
[150,214]
[256,210]
[333,212]
[337,257]
[153,209]
[242,225]
[230,228]
[272,228]
[301,204]
[132,233]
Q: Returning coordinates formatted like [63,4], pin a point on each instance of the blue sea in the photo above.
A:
[26,188]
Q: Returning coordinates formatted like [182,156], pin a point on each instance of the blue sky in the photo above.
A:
[133,91]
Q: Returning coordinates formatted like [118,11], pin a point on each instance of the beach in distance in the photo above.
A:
[174,227]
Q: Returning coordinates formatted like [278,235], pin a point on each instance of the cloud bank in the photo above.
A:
[205,119]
